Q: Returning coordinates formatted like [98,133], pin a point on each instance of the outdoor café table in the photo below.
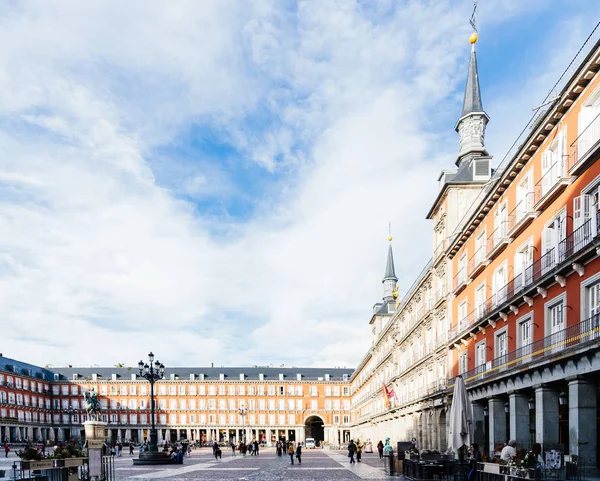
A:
[432,471]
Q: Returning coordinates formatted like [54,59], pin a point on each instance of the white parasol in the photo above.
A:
[460,432]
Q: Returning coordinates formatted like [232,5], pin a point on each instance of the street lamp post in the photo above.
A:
[152,371]
[71,411]
[242,412]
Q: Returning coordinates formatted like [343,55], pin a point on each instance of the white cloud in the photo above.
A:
[99,262]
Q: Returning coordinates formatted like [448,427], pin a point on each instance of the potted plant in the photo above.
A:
[33,458]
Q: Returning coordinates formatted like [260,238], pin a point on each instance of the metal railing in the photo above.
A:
[497,237]
[478,258]
[552,177]
[546,264]
[460,278]
[584,332]
[521,211]
[587,140]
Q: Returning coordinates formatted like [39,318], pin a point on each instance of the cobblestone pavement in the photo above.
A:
[318,465]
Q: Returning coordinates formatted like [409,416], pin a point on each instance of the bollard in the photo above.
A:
[388,461]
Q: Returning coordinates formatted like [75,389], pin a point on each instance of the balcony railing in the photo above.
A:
[580,334]
[584,145]
[497,240]
[546,264]
[551,184]
[521,215]
[460,280]
[439,250]
[477,262]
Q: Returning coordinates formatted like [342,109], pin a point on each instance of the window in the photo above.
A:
[463,362]
[480,248]
[525,335]
[182,390]
[462,268]
[555,323]
[524,198]
[500,224]
[480,300]
[480,356]
[462,315]
[499,285]
[552,235]
[553,163]
[501,345]
[522,265]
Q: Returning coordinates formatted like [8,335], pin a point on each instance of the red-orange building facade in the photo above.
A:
[203,404]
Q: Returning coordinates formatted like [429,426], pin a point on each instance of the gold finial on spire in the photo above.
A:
[473,38]
[390,232]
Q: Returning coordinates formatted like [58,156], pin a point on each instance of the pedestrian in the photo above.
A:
[351,451]
[131,449]
[6,449]
[278,448]
[380,449]
[359,448]
[299,453]
[232,448]
[291,453]
[473,460]
[256,448]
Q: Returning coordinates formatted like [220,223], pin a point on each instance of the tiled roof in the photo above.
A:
[25,369]
[212,373]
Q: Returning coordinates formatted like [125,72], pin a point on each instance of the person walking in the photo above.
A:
[351,451]
[130,449]
[299,453]
[232,445]
[380,449]
[278,448]
[291,453]
[359,448]
[6,449]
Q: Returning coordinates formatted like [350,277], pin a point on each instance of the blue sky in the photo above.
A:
[215,184]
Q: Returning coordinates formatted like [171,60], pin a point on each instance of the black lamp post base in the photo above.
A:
[153,457]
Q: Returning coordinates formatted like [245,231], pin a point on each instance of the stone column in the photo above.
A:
[582,419]
[519,419]
[546,416]
[478,427]
[497,423]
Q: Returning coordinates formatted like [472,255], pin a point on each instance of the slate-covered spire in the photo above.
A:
[389,278]
[472,101]
[473,120]
[390,272]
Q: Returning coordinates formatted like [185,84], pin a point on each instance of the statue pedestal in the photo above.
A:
[95,434]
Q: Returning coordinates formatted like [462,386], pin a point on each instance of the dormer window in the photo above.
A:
[192,377]
[242,376]
[75,377]
[56,377]
[481,169]
[261,377]
[221,377]
[172,376]
[298,377]
[94,377]
[345,377]
[327,377]
[133,377]
[281,376]
[113,376]
[201,376]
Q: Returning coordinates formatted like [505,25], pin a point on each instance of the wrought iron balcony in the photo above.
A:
[478,262]
[521,216]
[584,333]
[460,281]
[584,148]
[498,240]
[552,183]
[547,266]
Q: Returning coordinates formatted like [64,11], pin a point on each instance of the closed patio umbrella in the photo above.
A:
[61,435]
[460,432]
[127,434]
[51,435]
[29,433]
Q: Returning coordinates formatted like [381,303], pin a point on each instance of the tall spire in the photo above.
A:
[473,120]
[472,101]
[390,272]
[389,278]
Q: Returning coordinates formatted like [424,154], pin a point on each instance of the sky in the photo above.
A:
[213,180]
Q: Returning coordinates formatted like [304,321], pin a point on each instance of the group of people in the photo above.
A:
[508,451]
[243,448]
[356,449]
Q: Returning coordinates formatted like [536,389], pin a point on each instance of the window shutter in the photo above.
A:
[587,207]
[577,213]
[546,160]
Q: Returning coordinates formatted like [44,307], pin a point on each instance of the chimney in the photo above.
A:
[212,364]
